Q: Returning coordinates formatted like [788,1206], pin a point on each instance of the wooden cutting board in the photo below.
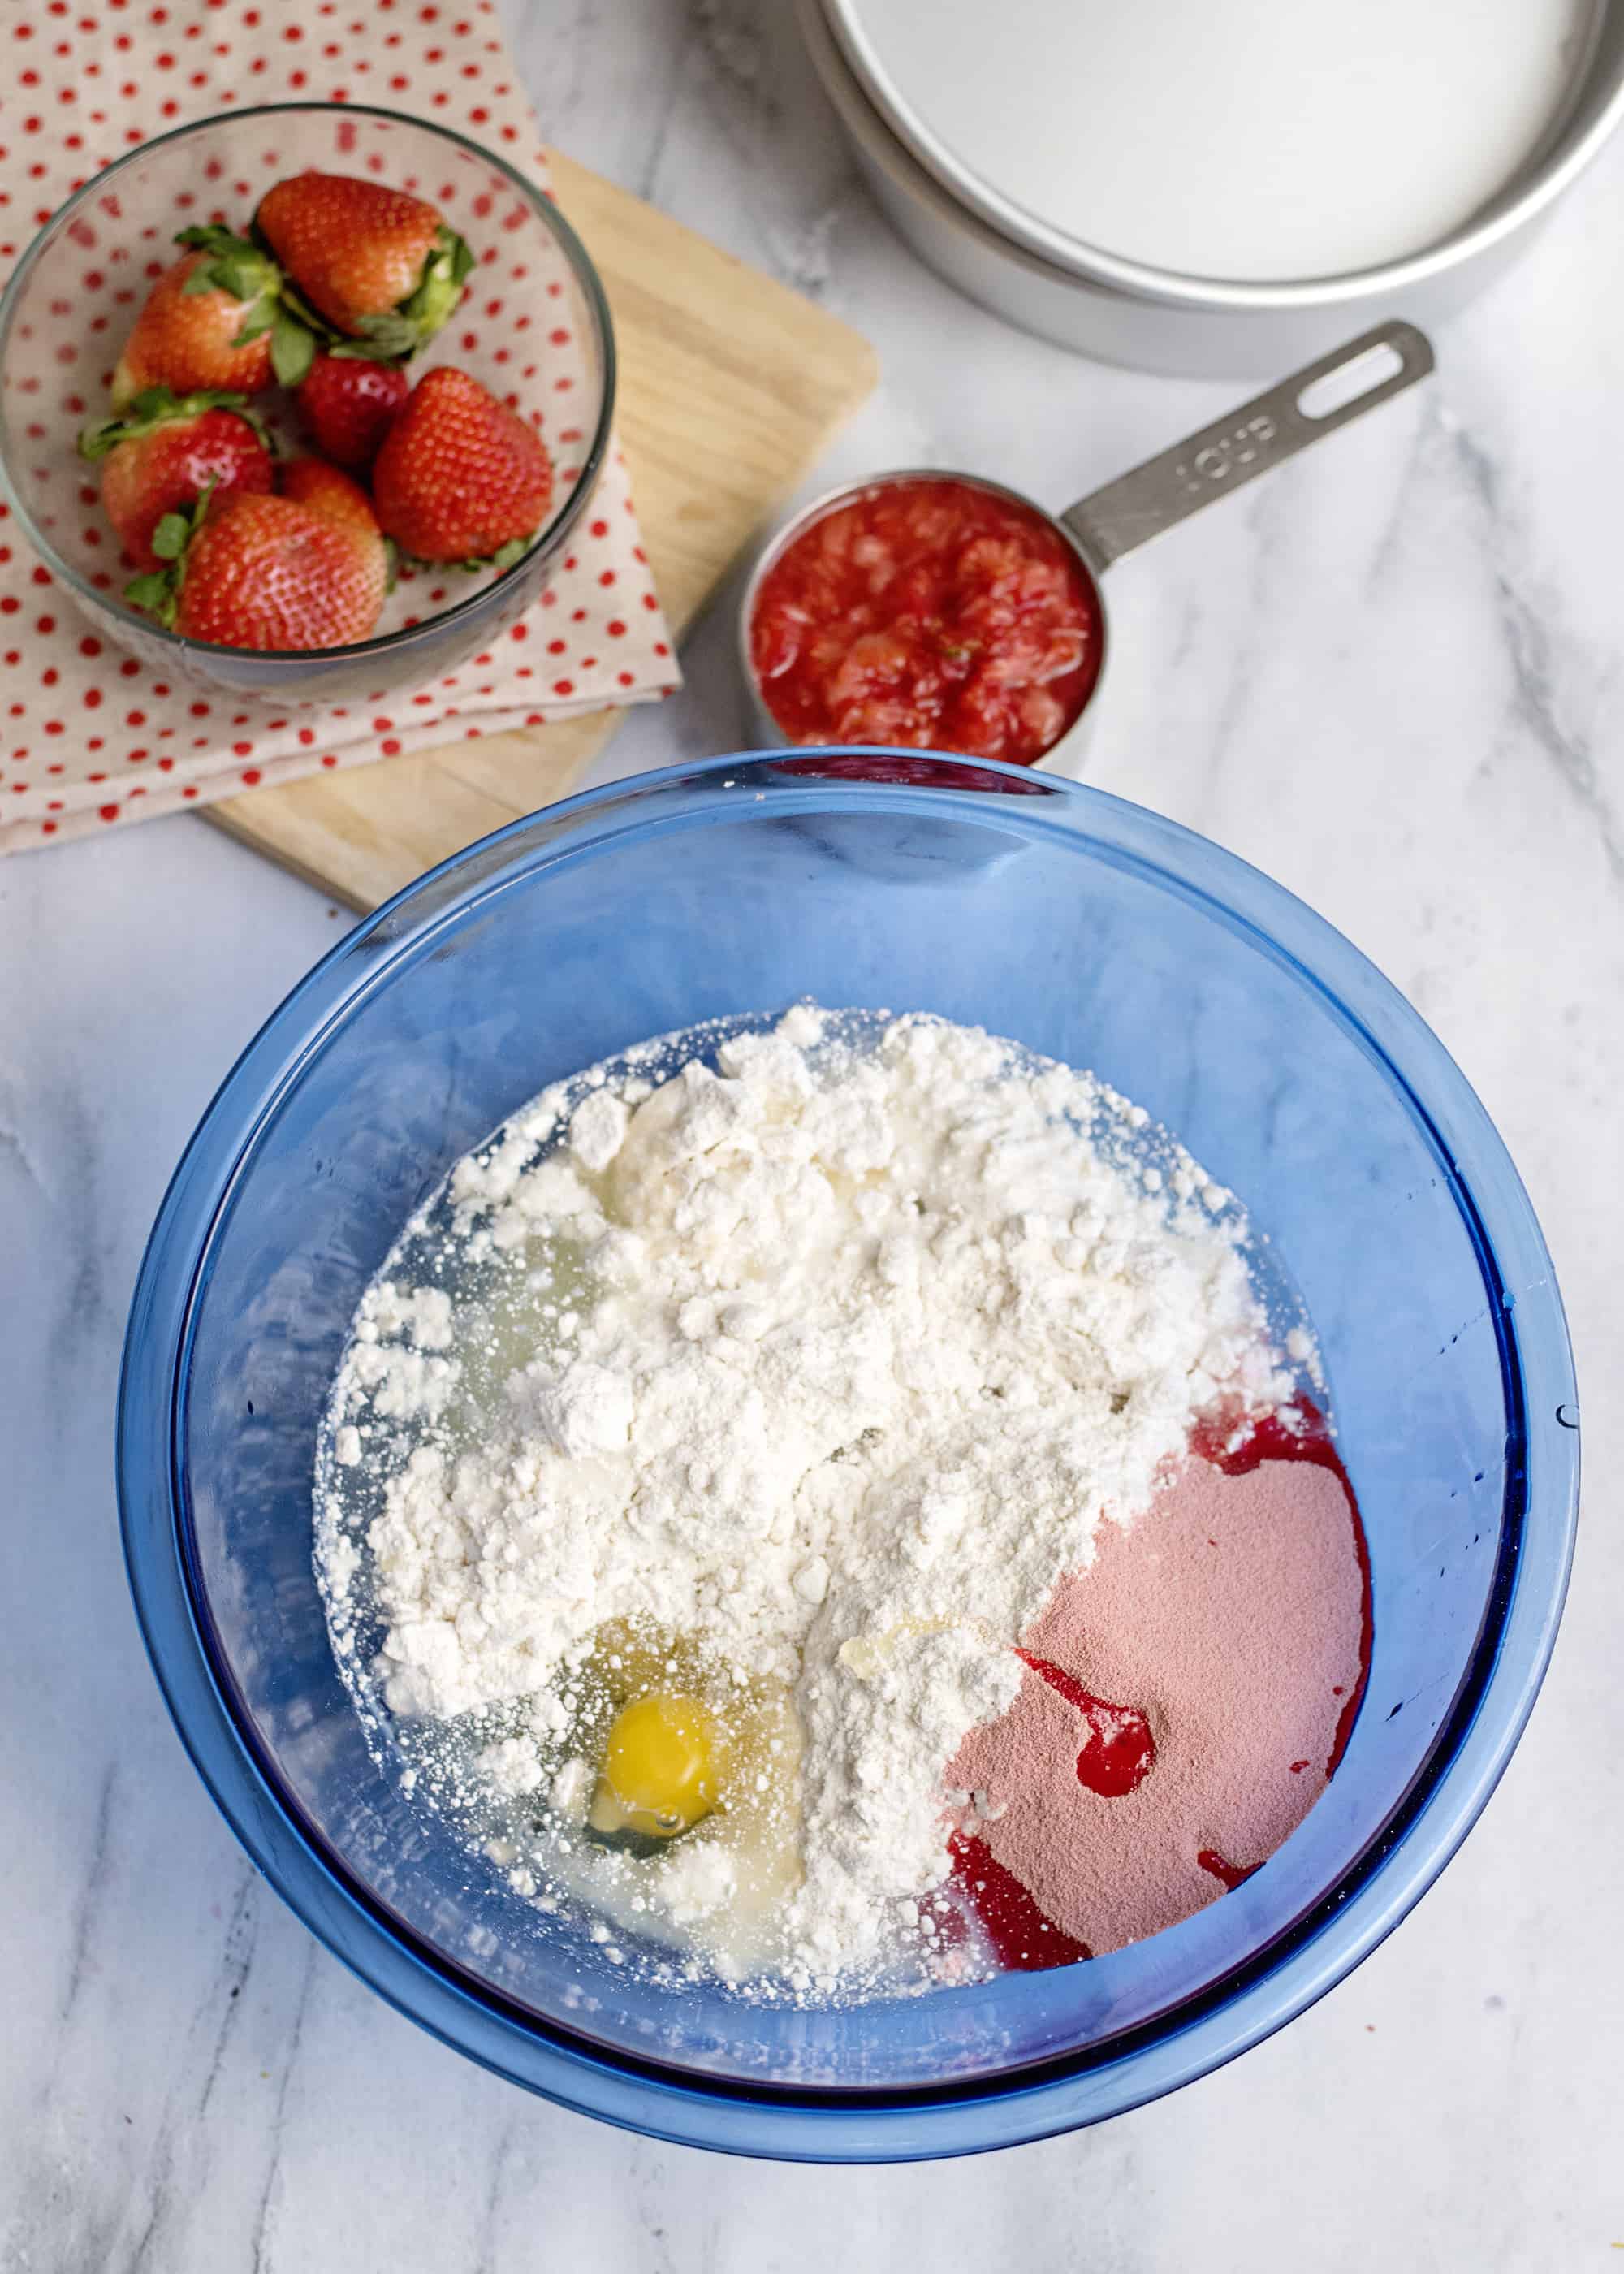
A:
[731,386]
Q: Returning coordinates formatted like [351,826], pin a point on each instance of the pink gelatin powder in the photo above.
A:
[1232,1617]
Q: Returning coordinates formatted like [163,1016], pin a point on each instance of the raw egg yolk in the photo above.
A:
[662,1768]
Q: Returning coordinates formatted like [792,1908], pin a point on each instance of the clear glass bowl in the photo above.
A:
[1085,928]
[534,327]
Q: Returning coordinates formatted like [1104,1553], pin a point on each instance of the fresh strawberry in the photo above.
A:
[165,451]
[206,326]
[377,266]
[461,476]
[350,404]
[322,489]
[260,572]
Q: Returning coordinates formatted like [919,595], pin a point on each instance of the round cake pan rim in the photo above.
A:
[1069,260]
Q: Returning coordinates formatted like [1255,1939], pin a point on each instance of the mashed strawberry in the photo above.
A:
[928,614]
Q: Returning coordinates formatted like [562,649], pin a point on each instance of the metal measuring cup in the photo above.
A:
[1163,491]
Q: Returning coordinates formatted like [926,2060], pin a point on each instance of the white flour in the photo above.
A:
[838,1358]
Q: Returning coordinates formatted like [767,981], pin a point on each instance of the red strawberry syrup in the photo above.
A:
[1023,1940]
[1120,1749]
[1231,1874]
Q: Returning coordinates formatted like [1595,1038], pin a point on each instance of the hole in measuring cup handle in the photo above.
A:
[1365,372]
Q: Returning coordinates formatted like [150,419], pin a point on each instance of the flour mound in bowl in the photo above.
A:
[792,1367]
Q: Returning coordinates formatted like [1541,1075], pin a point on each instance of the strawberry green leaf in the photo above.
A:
[243,276]
[211,237]
[168,538]
[390,337]
[501,560]
[440,288]
[364,350]
[154,593]
[233,265]
[293,349]
[298,307]
[159,406]
[397,333]
[159,591]
[260,321]
[96,441]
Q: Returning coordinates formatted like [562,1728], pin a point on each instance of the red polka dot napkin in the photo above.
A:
[91,736]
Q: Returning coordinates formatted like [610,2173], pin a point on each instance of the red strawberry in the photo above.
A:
[167,449]
[461,476]
[372,262]
[260,572]
[350,404]
[322,489]
[197,333]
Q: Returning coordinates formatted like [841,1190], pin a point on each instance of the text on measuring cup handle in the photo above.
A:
[1214,462]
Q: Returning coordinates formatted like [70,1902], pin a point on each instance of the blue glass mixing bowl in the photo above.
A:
[1086,929]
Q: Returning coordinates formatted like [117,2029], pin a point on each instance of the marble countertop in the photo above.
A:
[1390,677]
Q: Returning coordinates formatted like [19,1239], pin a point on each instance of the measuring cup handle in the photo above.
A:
[1259,434]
